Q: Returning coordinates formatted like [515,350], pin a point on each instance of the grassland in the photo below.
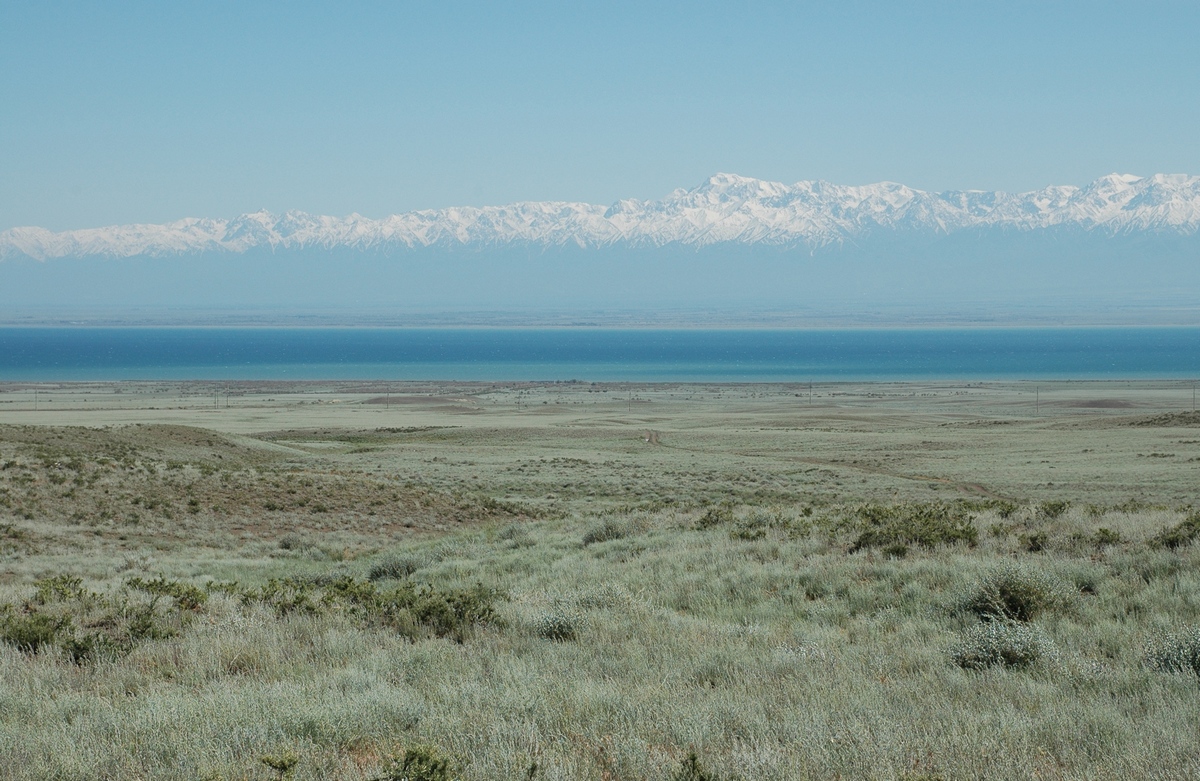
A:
[578,581]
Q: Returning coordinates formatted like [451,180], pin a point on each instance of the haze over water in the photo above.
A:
[599,354]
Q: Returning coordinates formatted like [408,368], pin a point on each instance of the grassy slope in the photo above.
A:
[756,638]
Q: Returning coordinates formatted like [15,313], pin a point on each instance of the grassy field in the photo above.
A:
[579,581]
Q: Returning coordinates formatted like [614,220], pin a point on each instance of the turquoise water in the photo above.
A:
[600,354]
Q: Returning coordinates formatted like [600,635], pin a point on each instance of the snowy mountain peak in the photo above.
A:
[725,208]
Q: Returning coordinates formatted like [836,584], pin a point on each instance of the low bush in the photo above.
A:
[86,625]
[283,764]
[1016,594]
[411,609]
[753,527]
[693,770]
[12,539]
[30,633]
[1035,542]
[1183,533]
[715,515]
[924,525]
[1004,508]
[419,763]
[1177,652]
[58,588]
[186,596]
[1001,644]
[1054,508]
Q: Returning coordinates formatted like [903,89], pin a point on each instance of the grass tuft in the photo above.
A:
[557,625]
[1176,652]
[1015,593]
[609,529]
[393,568]
[1001,644]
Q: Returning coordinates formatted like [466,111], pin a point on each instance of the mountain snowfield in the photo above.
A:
[726,209]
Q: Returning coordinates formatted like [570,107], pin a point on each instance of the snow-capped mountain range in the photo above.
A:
[724,209]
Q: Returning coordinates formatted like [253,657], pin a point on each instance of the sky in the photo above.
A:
[123,112]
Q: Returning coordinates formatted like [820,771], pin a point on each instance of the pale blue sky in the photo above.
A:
[124,112]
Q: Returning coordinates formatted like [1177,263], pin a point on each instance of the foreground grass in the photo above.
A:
[773,642]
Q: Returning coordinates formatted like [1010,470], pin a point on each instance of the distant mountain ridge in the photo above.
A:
[724,210]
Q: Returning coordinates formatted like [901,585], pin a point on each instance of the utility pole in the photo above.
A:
[35,390]
[1037,400]
[810,393]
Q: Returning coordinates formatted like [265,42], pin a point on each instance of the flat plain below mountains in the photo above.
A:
[612,581]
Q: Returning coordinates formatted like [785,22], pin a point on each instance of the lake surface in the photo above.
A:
[596,354]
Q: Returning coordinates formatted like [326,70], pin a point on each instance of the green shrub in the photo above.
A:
[922,525]
[284,596]
[186,596]
[91,646]
[419,763]
[1177,652]
[12,539]
[1105,536]
[59,588]
[1053,509]
[715,515]
[284,764]
[408,608]
[1183,533]
[454,613]
[759,521]
[86,625]
[1035,542]
[31,633]
[1016,594]
[1003,507]
[693,770]
[753,527]
[1001,644]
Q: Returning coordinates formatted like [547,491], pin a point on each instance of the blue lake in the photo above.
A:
[597,354]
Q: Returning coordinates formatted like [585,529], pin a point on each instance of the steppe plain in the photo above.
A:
[599,581]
